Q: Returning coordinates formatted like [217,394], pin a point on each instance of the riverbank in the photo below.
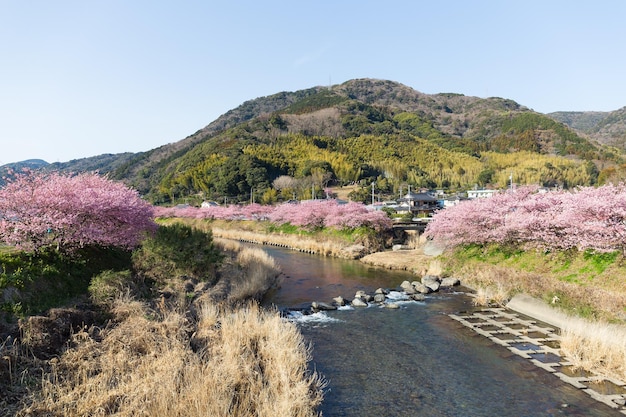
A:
[176,333]
[585,290]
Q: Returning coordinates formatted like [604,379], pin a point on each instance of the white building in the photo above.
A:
[481,193]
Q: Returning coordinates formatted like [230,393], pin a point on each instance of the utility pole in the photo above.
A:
[373,183]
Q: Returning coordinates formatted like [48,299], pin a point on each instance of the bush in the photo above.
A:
[35,282]
[177,250]
[109,285]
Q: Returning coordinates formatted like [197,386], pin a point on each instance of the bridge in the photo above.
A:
[418,223]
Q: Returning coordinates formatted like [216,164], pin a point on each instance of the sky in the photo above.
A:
[83,78]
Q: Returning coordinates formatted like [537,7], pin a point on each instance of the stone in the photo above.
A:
[407,287]
[358,302]
[431,282]
[363,296]
[421,288]
[315,305]
[339,301]
[417,297]
[381,291]
[379,298]
[450,282]
[392,306]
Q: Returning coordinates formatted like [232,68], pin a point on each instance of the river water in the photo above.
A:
[415,361]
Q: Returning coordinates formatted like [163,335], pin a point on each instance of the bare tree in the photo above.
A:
[284,182]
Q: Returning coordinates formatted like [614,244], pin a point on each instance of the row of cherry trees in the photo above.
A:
[586,218]
[68,212]
[309,215]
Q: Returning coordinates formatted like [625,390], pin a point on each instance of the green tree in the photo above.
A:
[485,177]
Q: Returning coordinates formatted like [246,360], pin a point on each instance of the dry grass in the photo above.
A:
[603,304]
[296,242]
[246,362]
[250,275]
[593,344]
[492,295]
[597,347]
[262,273]
[413,261]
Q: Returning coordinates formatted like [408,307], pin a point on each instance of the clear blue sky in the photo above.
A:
[82,78]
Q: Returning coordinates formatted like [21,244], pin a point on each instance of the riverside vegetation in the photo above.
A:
[178,298]
[563,247]
[160,325]
[566,248]
[160,337]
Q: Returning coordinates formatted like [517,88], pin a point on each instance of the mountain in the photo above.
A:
[32,164]
[367,130]
[104,164]
[608,128]
[359,132]
[27,164]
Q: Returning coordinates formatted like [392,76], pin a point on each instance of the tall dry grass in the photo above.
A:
[592,345]
[597,347]
[246,362]
[262,273]
[325,247]
[251,275]
[496,294]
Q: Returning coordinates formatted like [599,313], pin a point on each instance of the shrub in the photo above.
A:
[177,250]
[38,281]
[109,285]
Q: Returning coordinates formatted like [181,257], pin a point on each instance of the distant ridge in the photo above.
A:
[29,163]
[369,130]
[608,128]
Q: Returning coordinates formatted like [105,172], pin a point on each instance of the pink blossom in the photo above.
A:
[311,214]
[71,211]
[585,218]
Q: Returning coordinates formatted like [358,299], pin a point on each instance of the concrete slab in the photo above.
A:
[539,310]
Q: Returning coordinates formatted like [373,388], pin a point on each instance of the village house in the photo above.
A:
[419,204]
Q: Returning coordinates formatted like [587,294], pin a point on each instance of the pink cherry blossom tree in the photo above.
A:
[585,218]
[39,209]
[310,215]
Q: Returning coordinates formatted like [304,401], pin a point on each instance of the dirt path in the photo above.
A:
[415,261]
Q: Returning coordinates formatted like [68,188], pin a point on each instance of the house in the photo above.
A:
[453,200]
[419,204]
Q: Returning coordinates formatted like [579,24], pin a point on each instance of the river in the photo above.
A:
[414,361]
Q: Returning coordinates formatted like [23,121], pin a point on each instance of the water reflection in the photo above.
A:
[310,278]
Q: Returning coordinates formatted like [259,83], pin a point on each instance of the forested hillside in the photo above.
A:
[604,127]
[293,144]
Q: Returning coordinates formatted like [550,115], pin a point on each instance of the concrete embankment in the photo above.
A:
[539,310]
